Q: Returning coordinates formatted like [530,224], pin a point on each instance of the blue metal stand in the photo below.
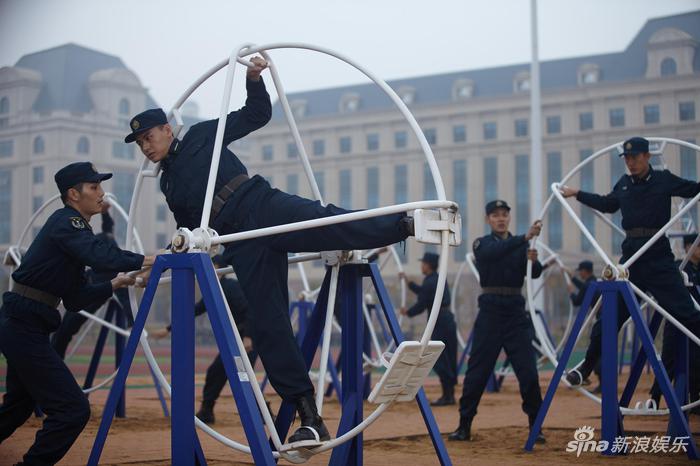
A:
[611,418]
[350,288]
[185,447]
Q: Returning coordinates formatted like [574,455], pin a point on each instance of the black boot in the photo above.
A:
[312,431]
[540,438]
[447,398]
[206,412]
[463,432]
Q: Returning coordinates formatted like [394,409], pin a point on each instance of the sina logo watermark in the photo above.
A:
[583,441]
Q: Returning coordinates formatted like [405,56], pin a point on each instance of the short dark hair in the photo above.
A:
[78,187]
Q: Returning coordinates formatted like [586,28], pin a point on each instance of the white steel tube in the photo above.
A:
[326,342]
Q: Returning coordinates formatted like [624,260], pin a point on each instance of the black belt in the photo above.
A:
[501,290]
[641,232]
[37,295]
[224,193]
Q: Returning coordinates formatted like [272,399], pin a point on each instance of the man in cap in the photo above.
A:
[53,270]
[672,336]
[242,203]
[577,291]
[502,322]
[644,199]
[445,327]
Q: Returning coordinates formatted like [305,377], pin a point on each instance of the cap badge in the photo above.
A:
[499,204]
[628,146]
[135,125]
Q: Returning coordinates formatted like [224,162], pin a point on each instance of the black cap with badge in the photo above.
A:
[76,173]
[634,146]
[145,121]
[497,204]
[431,259]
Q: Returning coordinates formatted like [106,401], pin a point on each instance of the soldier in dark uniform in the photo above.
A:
[672,334]
[53,269]
[644,199]
[502,322]
[216,374]
[72,321]
[242,203]
[445,327]
[577,291]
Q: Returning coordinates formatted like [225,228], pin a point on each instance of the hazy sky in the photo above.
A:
[168,44]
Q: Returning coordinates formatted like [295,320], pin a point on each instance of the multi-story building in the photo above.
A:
[477,122]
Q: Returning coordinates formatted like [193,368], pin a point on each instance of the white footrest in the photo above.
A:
[428,227]
[406,371]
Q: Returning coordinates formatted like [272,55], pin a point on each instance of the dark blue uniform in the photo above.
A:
[645,205]
[445,329]
[670,340]
[36,375]
[502,323]
[71,322]
[261,264]
[577,300]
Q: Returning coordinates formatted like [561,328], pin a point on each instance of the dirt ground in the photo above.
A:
[397,438]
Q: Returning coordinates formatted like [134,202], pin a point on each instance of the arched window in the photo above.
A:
[4,105]
[83,145]
[38,145]
[668,67]
[123,107]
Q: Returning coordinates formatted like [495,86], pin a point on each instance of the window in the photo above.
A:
[372,187]
[292,150]
[400,184]
[686,111]
[651,114]
[459,173]
[319,147]
[400,139]
[430,136]
[124,107]
[407,95]
[617,117]
[38,175]
[521,128]
[589,77]
[429,191]
[668,67]
[4,105]
[121,150]
[372,142]
[554,216]
[346,188]
[349,103]
[161,213]
[587,215]
[345,145]
[83,146]
[5,205]
[7,148]
[459,133]
[268,152]
[321,182]
[522,193]
[161,240]
[490,182]
[585,121]
[37,201]
[553,124]
[522,82]
[298,108]
[490,130]
[293,183]
[123,188]
[462,89]
[38,145]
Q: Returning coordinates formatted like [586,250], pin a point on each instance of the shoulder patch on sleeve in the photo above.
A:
[78,223]
[476,244]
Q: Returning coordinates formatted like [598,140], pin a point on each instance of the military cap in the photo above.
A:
[635,145]
[585,265]
[78,172]
[145,121]
[431,259]
[497,204]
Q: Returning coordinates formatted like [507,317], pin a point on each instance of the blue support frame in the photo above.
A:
[611,418]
